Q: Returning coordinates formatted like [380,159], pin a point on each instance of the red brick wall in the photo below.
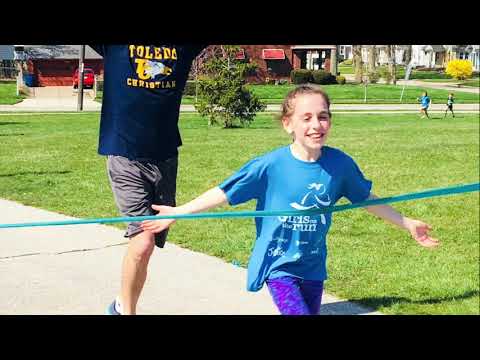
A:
[57,72]
[280,68]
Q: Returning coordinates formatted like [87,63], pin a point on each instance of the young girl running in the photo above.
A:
[290,251]
[425,104]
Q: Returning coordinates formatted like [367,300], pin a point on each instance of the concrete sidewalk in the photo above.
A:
[76,270]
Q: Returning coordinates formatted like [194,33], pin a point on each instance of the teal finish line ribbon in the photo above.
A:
[265,213]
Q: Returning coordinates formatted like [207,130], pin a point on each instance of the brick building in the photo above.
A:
[277,61]
[54,65]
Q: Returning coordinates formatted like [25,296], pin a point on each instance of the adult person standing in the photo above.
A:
[143,86]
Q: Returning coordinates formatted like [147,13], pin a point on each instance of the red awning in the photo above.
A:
[240,54]
[273,54]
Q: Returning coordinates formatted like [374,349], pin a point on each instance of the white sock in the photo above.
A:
[118,306]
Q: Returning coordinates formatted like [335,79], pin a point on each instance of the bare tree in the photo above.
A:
[357,62]
[372,58]
[407,54]
[392,68]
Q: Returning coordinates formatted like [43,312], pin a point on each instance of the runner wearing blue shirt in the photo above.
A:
[290,252]
[143,87]
[424,103]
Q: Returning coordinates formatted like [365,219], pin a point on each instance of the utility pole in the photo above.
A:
[19,57]
[80,77]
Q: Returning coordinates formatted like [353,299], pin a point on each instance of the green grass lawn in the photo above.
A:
[472,82]
[50,161]
[8,94]
[376,94]
[352,93]
[475,82]
[345,69]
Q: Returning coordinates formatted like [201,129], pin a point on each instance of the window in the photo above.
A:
[240,54]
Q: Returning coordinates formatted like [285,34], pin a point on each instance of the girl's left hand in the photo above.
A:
[419,231]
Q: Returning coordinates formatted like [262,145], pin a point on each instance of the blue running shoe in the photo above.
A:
[111,309]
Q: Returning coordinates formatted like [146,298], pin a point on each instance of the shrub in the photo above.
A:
[341,80]
[321,77]
[385,74]
[222,94]
[373,77]
[347,62]
[459,69]
[99,85]
[300,76]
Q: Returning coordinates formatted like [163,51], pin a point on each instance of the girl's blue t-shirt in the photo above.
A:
[294,245]
[425,100]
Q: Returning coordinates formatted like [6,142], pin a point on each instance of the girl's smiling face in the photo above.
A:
[309,124]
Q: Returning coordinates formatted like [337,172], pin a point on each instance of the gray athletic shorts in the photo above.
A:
[136,185]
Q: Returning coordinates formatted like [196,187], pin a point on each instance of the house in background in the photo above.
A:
[54,65]
[429,56]
[432,56]
[345,52]
[464,52]
[474,56]
[382,54]
[277,61]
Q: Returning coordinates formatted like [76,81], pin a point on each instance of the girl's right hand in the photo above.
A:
[156,226]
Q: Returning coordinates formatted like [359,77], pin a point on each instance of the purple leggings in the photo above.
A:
[294,296]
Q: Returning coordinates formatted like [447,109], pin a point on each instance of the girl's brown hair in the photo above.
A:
[288,105]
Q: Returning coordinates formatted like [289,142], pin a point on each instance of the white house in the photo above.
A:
[465,52]
[474,56]
[382,57]
[345,52]
[429,56]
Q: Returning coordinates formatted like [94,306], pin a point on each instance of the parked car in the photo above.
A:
[88,78]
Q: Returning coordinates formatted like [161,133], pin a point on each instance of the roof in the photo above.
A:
[6,52]
[59,52]
[434,48]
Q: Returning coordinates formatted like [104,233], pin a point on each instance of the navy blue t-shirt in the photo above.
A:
[142,91]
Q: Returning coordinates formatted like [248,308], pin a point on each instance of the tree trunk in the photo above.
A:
[358,63]
[372,58]
[408,55]
[392,68]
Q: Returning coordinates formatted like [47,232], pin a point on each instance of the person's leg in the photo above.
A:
[134,270]
[451,109]
[133,187]
[287,296]
[424,112]
[163,176]
[312,293]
